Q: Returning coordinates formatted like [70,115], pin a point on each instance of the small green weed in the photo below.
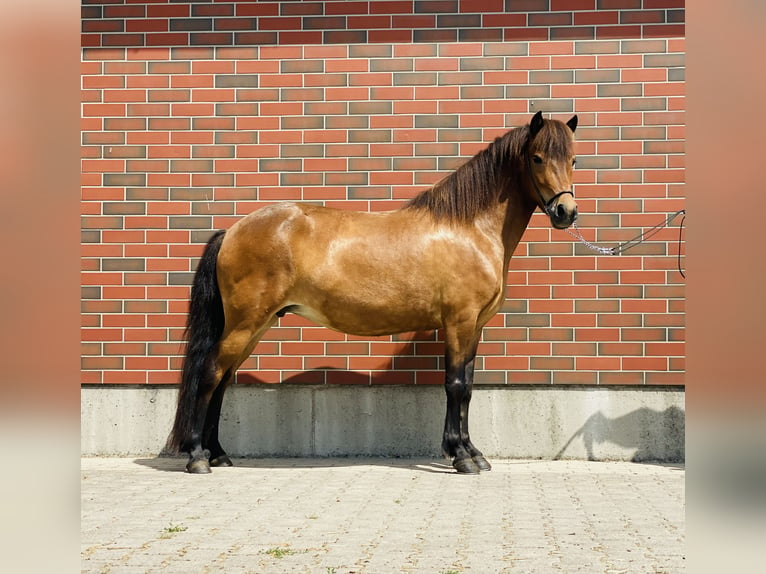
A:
[171,529]
[279,552]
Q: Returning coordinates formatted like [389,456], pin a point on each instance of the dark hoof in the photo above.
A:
[481,462]
[466,466]
[223,460]
[198,466]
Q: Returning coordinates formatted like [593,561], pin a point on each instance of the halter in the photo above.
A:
[546,206]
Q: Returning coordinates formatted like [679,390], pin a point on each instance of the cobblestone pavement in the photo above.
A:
[381,516]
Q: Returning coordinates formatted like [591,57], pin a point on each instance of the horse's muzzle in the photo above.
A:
[561,215]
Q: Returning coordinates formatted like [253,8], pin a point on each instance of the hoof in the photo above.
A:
[198,466]
[481,462]
[466,466]
[223,460]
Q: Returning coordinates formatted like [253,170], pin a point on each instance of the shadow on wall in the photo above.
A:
[409,358]
[656,435]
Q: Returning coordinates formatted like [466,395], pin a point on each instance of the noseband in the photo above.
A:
[546,206]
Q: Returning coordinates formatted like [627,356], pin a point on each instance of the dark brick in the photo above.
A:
[237,81]
[643,104]
[370,51]
[597,47]
[436,6]
[190,222]
[458,21]
[280,164]
[344,36]
[480,35]
[299,179]
[127,264]
[484,63]
[370,192]
[572,33]
[676,75]
[371,108]
[211,39]
[619,90]
[551,77]
[507,49]
[664,60]
[90,236]
[302,150]
[526,92]
[598,162]
[190,24]
[460,78]
[369,136]
[554,105]
[302,122]
[527,5]
[301,66]
[391,65]
[124,179]
[431,35]
[550,19]
[180,278]
[437,121]
[415,78]
[596,76]
[355,178]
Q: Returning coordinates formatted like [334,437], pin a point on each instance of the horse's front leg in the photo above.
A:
[475,453]
[457,387]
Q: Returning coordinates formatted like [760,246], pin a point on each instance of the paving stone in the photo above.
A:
[354,516]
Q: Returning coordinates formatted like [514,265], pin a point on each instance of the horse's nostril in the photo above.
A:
[561,211]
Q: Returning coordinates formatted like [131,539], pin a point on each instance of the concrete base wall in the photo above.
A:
[594,423]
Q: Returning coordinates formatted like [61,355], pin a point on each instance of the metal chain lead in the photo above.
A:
[577,235]
[622,247]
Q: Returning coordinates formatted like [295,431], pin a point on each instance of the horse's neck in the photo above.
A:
[509,220]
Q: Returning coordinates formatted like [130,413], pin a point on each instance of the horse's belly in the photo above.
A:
[366,320]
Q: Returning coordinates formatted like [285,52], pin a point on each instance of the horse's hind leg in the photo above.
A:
[218,456]
[236,345]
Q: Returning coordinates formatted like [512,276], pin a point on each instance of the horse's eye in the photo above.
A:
[537,159]
[574,162]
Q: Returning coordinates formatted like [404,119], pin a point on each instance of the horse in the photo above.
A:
[438,262]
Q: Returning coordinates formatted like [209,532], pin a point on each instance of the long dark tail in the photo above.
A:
[204,327]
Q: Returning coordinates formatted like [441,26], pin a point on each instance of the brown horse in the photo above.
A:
[439,262]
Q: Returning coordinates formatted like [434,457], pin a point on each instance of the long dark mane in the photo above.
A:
[487,177]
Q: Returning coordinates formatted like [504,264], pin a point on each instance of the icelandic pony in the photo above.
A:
[439,262]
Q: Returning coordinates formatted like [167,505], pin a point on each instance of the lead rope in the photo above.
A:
[622,247]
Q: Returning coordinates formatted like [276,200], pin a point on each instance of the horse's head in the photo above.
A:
[550,159]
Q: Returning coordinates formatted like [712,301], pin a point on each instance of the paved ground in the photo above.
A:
[381,516]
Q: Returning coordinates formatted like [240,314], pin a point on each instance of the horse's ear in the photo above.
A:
[572,123]
[536,124]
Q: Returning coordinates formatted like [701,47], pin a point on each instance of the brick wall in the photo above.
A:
[344,104]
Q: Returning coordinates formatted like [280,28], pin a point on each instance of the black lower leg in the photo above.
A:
[465,438]
[452,443]
[218,456]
